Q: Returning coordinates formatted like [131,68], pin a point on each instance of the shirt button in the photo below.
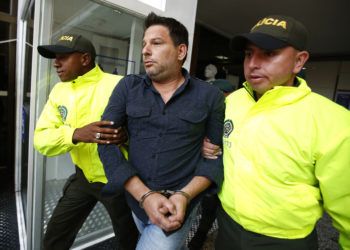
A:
[153,156]
[160,134]
[164,112]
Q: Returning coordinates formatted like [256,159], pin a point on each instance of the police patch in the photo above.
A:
[63,112]
[228,128]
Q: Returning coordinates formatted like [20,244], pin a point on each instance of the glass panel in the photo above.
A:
[4,76]
[5,6]
[110,31]
[4,55]
[3,131]
[25,109]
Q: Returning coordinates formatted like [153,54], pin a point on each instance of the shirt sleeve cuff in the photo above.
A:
[68,135]
[117,179]
[213,170]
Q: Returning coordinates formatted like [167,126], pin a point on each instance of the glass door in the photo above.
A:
[8,24]
[113,33]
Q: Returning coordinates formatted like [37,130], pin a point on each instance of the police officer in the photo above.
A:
[70,122]
[286,148]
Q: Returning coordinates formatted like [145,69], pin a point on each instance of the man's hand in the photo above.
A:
[209,150]
[180,203]
[97,132]
[159,210]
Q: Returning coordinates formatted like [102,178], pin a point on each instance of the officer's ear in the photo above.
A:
[85,59]
[300,59]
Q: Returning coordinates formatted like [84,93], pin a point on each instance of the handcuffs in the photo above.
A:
[165,192]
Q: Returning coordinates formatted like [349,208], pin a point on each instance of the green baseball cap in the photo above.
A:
[273,32]
[68,43]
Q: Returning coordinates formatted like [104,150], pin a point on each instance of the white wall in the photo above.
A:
[185,12]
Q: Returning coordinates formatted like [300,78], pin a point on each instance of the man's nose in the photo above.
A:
[254,61]
[56,63]
[146,50]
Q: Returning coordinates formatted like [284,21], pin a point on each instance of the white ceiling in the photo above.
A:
[328,21]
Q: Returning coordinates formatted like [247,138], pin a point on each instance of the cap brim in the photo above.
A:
[261,40]
[50,51]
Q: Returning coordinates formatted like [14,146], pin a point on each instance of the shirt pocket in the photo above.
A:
[192,121]
[138,118]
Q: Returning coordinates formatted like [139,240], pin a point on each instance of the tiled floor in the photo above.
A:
[98,220]
[8,218]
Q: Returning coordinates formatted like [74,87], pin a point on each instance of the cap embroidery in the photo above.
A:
[271,21]
[66,38]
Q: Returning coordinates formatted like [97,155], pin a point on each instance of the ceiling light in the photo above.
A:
[221,57]
[117,11]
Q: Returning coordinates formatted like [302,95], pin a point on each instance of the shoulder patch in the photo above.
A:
[228,128]
[63,112]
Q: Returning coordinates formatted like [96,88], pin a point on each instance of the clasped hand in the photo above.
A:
[167,213]
[209,150]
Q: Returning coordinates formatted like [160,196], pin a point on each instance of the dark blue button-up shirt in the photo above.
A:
[165,139]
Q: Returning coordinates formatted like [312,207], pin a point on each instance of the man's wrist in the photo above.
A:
[183,193]
[166,193]
[74,139]
[145,195]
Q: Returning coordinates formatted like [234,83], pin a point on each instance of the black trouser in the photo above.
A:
[78,200]
[209,207]
[232,236]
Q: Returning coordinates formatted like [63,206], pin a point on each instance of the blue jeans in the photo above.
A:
[153,238]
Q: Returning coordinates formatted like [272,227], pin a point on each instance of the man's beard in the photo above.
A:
[156,74]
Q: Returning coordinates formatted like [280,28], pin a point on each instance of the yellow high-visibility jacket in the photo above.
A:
[286,157]
[73,105]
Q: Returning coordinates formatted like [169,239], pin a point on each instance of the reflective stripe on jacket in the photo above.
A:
[286,156]
[73,105]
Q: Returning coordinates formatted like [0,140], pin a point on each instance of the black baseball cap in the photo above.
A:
[273,32]
[68,43]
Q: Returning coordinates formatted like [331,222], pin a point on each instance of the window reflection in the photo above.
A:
[109,29]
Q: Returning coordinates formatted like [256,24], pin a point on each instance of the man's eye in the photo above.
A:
[270,53]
